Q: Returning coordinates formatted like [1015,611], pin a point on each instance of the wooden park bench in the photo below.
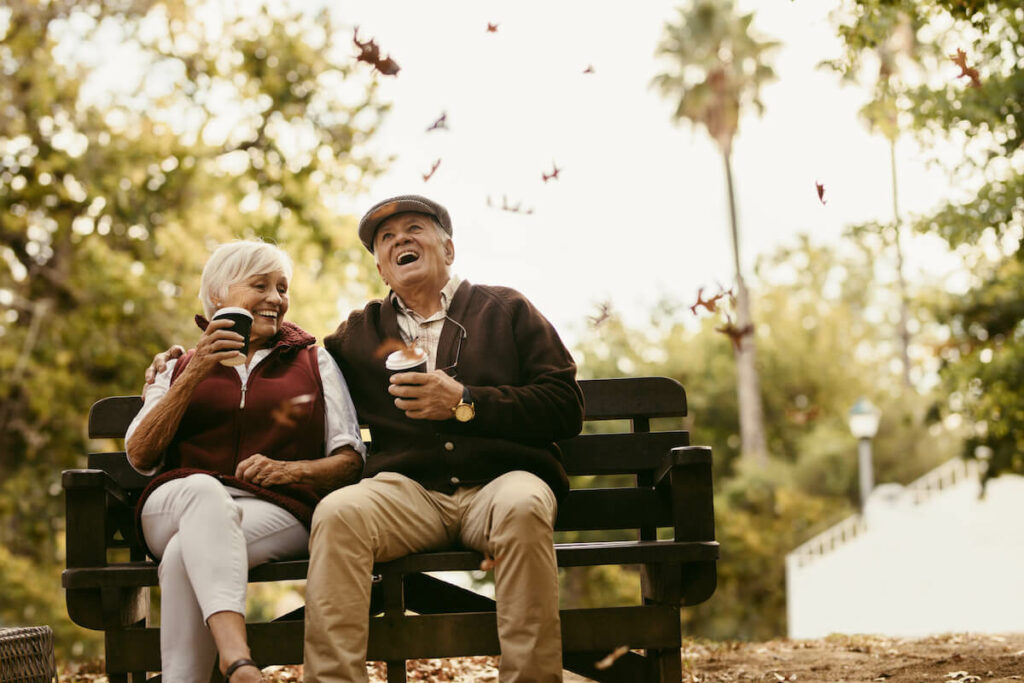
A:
[661,503]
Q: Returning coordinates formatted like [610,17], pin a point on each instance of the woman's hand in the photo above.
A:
[216,344]
[263,471]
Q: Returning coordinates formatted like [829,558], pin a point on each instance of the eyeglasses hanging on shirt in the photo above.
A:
[458,349]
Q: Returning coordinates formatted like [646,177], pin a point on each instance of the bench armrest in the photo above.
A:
[94,479]
[88,496]
[684,476]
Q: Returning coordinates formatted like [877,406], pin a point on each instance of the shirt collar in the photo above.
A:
[447,294]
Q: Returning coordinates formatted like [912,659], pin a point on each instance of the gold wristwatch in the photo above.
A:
[464,411]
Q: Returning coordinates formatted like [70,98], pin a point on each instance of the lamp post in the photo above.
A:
[864,418]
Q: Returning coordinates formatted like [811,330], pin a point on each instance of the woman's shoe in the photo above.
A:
[238,664]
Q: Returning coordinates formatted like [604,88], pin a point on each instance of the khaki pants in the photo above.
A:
[389,516]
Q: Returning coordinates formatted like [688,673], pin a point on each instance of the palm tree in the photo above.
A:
[882,115]
[717,71]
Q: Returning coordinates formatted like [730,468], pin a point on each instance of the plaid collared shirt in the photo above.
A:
[426,332]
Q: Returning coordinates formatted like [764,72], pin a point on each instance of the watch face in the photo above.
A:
[464,412]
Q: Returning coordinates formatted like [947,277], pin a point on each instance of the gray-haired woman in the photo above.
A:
[242,449]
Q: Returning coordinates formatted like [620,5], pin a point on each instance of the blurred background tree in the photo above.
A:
[826,341]
[717,69]
[120,168]
[980,106]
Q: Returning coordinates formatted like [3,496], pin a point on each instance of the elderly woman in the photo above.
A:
[242,452]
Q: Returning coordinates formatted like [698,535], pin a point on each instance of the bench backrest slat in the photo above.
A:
[633,397]
[624,508]
[606,399]
[620,453]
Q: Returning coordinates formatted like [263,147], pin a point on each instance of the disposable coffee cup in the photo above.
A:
[406,360]
[243,324]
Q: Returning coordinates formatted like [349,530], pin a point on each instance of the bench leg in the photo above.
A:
[396,671]
[667,665]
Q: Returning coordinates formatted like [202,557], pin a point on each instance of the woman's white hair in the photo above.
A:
[237,261]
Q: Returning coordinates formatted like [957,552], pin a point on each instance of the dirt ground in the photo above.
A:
[956,658]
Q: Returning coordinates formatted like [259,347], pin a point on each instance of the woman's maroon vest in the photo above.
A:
[223,425]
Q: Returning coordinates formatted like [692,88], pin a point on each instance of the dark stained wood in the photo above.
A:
[633,397]
[109,417]
[664,483]
[605,399]
[620,508]
[624,453]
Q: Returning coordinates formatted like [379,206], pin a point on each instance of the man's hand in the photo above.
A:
[425,395]
[263,471]
[159,364]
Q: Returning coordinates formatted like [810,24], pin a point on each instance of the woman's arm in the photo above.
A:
[346,452]
[145,446]
[342,467]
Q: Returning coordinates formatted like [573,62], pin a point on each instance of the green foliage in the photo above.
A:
[822,344]
[113,189]
[983,358]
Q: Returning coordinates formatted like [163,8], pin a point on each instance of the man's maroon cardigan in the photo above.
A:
[521,377]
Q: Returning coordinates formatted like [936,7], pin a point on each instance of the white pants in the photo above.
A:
[206,537]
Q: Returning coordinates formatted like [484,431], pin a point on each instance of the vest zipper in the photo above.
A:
[242,403]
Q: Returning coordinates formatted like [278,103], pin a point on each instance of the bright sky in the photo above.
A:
[639,209]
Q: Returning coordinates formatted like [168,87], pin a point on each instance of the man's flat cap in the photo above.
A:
[404,203]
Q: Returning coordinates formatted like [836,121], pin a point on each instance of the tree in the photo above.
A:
[824,345]
[894,44]
[982,104]
[113,189]
[718,68]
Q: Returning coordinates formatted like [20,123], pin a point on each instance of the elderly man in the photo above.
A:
[462,455]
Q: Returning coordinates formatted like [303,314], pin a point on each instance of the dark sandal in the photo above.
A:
[238,664]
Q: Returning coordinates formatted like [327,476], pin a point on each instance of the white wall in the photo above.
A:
[952,563]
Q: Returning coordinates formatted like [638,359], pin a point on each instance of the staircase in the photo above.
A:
[943,477]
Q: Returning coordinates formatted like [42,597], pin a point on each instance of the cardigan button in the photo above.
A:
[449,446]
[455,481]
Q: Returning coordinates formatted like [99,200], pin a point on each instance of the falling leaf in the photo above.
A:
[735,334]
[492,28]
[607,661]
[369,52]
[440,124]
[511,208]
[589,69]
[430,174]
[960,59]
[286,413]
[710,304]
[390,345]
[604,311]
[553,175]
[821,192]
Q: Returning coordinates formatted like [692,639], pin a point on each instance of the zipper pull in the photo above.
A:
[242,404]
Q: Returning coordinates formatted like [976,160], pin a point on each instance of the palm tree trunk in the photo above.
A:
[748,386]
[904,331]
